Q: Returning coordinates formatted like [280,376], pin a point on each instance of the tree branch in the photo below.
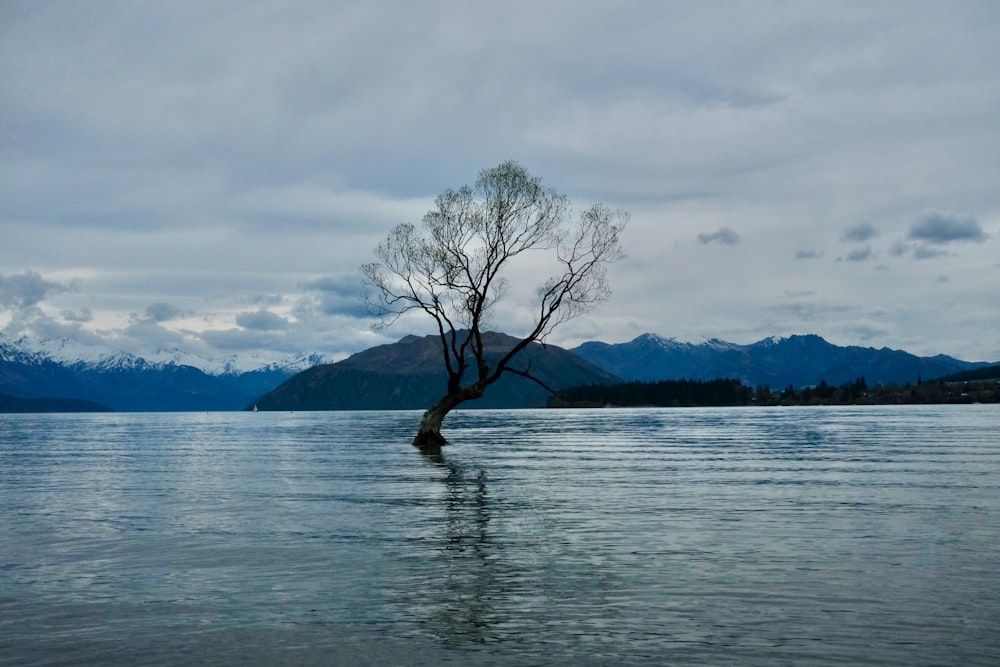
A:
[454,270]
[526,374]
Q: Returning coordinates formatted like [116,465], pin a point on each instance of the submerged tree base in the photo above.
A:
[429,442]
[429,439]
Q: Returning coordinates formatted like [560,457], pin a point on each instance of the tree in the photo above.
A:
[452,268]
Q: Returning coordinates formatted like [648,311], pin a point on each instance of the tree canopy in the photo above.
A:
[452,268]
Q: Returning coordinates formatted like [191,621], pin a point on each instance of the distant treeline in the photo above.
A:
[665,393]
[984,373]
[859,393]
[729,392]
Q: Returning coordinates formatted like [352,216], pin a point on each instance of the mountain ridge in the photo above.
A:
[125,381]
[797,360]
[71,352]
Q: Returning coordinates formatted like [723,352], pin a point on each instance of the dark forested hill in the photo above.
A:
[410,374]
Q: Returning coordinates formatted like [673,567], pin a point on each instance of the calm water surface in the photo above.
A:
[797,536]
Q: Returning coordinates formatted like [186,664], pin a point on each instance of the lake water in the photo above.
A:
[751,536]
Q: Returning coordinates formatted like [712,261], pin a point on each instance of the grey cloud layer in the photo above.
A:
[27,289]
[163,312]
[214,173]
[262,320]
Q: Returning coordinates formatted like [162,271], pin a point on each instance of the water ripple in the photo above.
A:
[739,536]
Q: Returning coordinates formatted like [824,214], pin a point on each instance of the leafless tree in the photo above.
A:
[452,268]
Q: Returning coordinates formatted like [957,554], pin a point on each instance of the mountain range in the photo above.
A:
[126,382]
[774,362]
[408,374]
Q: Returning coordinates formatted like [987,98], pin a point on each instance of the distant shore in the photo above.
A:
[724,393]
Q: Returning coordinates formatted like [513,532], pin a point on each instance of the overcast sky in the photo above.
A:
[210,175]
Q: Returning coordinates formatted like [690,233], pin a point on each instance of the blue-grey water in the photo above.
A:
[786,536]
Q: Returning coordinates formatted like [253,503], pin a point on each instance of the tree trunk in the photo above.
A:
[429,438]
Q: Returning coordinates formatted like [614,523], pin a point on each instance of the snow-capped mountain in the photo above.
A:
[166,380]
[171,379]
[70,352]
[116,362]
[654,342]
[11,352]
[63,350]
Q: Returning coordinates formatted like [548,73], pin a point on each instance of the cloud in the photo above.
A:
[859,233]
[262,299]
[723,235]
[866,331]
[195,166]
[302,204]
[43,326]
[334,295]
[27,289]
[900,249]
[236,339]
[261,320]
[943,278]
[80,316]
[918,250]
[860,254]
[805,310]
[148,333]
[940,228]
[343,285]
[163,312]
[927,252]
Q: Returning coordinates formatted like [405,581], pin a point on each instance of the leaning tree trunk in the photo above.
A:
[429,438]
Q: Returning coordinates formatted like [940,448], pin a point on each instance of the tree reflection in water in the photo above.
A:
[479,573]
[466,579]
